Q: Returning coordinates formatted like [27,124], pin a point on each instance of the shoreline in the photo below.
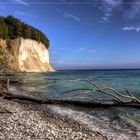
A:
[56,122]
[20,120]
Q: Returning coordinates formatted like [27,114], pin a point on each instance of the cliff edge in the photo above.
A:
[22,47]
[24,55]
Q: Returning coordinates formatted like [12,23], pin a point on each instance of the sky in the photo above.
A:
[84,34]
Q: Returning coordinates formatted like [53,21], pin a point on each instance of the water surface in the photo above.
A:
[116,123]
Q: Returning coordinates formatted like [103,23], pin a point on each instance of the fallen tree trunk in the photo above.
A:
[11,96]
[6,94]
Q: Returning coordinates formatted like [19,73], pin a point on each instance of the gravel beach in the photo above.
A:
[28,121]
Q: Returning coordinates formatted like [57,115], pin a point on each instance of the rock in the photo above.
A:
[29,122]
[24,55]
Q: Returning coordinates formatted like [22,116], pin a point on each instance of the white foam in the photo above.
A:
[93,122]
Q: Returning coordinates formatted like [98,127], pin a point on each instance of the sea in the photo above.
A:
[117,123]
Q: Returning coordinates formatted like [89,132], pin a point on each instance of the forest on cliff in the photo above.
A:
[12,28]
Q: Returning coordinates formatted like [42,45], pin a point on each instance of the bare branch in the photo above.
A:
[89,99]
[122,95]
[115,98]
[129,92]
[73,90]
[88,81]
[110,94]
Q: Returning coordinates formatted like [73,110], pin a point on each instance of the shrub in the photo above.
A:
[12,28]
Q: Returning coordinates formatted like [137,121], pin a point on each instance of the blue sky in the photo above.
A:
[84,34]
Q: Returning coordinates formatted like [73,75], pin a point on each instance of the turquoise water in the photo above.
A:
[42,84]
[116,123]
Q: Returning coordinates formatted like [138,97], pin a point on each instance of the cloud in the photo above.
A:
[131,28]
[86,50]
[113,3]
[21,2]
[80,49]
[68,15]
[77,50]
[72,63]
[128,9]
[57,9]
[58,62]
[91,51]
[133,11]
[107,7]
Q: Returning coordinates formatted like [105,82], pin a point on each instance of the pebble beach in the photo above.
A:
[29,121]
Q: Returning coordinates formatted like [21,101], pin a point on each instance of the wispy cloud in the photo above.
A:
[21,2]
[57,9]
[128,9]
[86,50]
[107,7]
[91,51]
[71,63]
[58,62]
[131,28]
[133,11]
[68,15]
[78,50]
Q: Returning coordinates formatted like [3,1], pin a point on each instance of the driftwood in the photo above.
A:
[14,81]
[113,99]
[10,96]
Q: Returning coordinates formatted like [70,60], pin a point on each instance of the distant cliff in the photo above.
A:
[24,55]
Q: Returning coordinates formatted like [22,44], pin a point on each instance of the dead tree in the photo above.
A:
[113,97]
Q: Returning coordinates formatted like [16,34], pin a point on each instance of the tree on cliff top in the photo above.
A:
[3,29]
[12,28]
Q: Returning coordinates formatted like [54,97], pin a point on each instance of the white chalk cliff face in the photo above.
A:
[25,55]
[33,57]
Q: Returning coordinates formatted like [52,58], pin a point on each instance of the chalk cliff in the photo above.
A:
[24,55]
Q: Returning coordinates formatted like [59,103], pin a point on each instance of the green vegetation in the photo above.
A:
[12,28]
